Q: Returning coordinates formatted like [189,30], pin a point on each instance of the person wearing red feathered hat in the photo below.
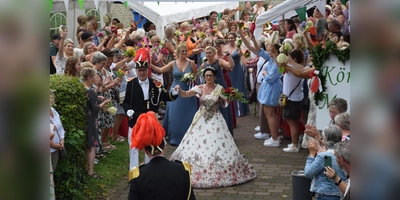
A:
[142,94]
[160,178]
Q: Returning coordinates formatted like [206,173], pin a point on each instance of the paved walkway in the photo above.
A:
[273,168]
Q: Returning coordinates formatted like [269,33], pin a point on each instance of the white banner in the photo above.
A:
[338,85]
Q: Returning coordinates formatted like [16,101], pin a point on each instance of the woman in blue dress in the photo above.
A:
[270,88]
[237,75]
[220,64]
[179,113]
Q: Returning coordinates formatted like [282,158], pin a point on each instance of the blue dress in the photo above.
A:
[271,86]
[226,112]
[237,78]
[179,113]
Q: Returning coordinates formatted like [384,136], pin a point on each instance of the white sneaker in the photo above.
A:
[272,143]
[292,148]
[257,128]
[281,137]
[290,145]
[262,136]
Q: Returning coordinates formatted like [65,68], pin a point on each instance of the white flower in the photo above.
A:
[282,58]
[238,42]
[112,110]
[287,47]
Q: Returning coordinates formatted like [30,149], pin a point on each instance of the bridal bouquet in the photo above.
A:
[232,93]
[112,110]
[238,42]
[187,77]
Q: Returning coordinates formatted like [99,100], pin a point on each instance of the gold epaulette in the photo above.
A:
[134,173]
[187,167]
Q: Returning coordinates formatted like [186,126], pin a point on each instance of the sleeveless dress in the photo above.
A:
[179,113]
[210,149]
[237,78]
[219,79]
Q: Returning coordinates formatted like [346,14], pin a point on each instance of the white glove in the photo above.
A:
[175,91]
[130,113]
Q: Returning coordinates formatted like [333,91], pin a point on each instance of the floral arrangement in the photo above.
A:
[232,93]
[187,77]
[213,32]
[247,53]
[107,18]
[342,45]
[187,34]
[309,25]
[162,43]
[129,52]
[112,110]
[164,51]
[108,31]
[100,35]
[177,33]
[252,28]
[120,73]
[240,24]
[283,56]
[202,35]
[238,42]
[114,29]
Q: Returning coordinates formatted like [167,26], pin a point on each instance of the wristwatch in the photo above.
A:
[338,183]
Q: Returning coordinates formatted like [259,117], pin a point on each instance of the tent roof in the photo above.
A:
[161,14]
[169,12]
[285,8]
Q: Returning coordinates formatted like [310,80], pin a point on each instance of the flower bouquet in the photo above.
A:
[309,25]
[177,33]
[107,18]
[232,93]
[247,54]
[114,29]
[202,35]
[188,77]
[238,42]
[282,57]
[164,51]
[112,110]
[129,52]
[240,24]
[213,32]
[120,73]
[107,29]
[187,34]
[162,43]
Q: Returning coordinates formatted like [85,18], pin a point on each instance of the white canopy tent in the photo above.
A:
[285,9]
[161,14]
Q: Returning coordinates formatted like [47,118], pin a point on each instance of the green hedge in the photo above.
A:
[70,175]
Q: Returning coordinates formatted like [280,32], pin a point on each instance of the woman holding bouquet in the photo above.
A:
[179,113]
[207,145]
[237,74]
[219,65]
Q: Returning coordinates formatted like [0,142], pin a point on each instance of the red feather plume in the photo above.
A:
[147,131]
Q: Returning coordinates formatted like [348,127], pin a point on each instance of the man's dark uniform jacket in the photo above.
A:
[161,179]
[134,99]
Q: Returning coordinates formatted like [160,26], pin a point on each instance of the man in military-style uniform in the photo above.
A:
[142,94]
[160,178]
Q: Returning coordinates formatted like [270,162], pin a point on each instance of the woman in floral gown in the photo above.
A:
[208,145]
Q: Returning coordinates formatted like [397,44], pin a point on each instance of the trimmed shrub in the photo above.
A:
[70,175]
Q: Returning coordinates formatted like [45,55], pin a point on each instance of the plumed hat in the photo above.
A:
[148,133]
[142,58]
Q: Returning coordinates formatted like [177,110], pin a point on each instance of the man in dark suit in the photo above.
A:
[142,94]
[160,178]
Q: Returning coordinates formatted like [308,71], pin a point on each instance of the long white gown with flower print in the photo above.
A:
[210,149]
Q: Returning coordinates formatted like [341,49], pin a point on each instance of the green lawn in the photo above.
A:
[113,168]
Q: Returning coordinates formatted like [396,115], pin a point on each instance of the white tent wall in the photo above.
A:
[160,14]
[285,9]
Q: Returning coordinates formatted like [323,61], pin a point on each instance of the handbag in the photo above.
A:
[253,93]
[63,151]
[283,98]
